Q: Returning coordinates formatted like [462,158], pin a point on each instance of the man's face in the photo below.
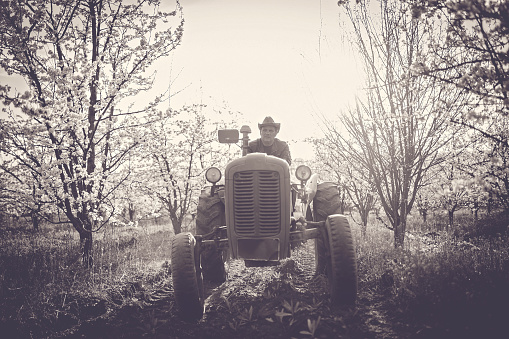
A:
[268,133]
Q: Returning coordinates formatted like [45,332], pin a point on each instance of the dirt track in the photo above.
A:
[275,302]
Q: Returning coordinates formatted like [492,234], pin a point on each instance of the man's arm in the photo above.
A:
[285,153]
[252,147]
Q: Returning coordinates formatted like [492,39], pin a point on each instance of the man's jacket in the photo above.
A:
[279,149]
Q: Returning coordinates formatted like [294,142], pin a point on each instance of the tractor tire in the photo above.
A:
[210,214]
[342,264]
[326,202]
[187,282]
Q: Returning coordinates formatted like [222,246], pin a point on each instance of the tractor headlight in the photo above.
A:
[213,175]
[303,173]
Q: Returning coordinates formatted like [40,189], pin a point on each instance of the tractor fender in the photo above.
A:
[311,187]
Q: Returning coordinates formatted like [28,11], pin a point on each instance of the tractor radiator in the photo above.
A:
[257,203]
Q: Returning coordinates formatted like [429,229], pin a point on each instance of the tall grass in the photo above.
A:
[44,287]
[439,281]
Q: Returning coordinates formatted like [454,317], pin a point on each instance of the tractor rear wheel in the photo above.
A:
[186,277]
[210,214]
[326,202]
[342,263]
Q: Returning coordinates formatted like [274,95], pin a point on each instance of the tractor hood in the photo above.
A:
[258,207]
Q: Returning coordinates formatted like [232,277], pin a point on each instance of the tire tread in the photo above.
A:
[185,281]
[343,275]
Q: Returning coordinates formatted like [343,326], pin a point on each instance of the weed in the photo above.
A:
[291,310]
[268,294]
[437,279]
[151,324]
[246,315]
[292,307]
[280,315]
[235,324]
[228,304]
[312,327]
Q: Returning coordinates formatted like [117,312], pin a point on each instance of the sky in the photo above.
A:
[288,59]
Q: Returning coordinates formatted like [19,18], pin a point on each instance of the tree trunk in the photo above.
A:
[451,219]
[86,248]
[342,204]
[399,231]
[424,215]
[84,229]
[364,218]
[399,236]
[342,207]
[177,225]
[35,220]
[132,212]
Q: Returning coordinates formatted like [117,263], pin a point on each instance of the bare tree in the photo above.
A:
[353,183]
[398,127]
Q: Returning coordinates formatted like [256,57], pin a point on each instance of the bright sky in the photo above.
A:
[285,58]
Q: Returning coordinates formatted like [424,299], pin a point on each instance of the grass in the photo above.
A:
[440,284]
[43,286]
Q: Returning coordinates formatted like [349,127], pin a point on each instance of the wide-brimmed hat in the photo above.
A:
[268,121]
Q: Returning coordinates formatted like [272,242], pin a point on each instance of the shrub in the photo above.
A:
[491,226]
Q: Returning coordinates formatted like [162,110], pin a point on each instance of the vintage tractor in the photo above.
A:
[251,217]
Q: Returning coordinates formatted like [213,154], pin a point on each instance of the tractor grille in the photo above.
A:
[257,202]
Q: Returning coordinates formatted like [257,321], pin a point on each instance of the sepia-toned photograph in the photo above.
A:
[254,169]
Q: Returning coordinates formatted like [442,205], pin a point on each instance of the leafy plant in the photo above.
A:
[235,324]
[291,306]
[246,315]
[289,310]
[228,304]
[312,327]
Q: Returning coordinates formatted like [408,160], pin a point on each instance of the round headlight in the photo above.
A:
[213,175]
[303,172]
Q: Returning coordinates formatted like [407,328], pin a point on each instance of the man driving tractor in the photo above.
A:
[249,217]
[268,143]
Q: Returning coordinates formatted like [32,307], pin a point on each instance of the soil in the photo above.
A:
[282,301]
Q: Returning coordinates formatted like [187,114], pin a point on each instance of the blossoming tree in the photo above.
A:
[176,152]
[81,61]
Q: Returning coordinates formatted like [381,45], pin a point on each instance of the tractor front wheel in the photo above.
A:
[211,214]
[186,277]
[326,202]
[342,263]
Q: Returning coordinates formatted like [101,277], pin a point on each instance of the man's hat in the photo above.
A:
[268,121]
